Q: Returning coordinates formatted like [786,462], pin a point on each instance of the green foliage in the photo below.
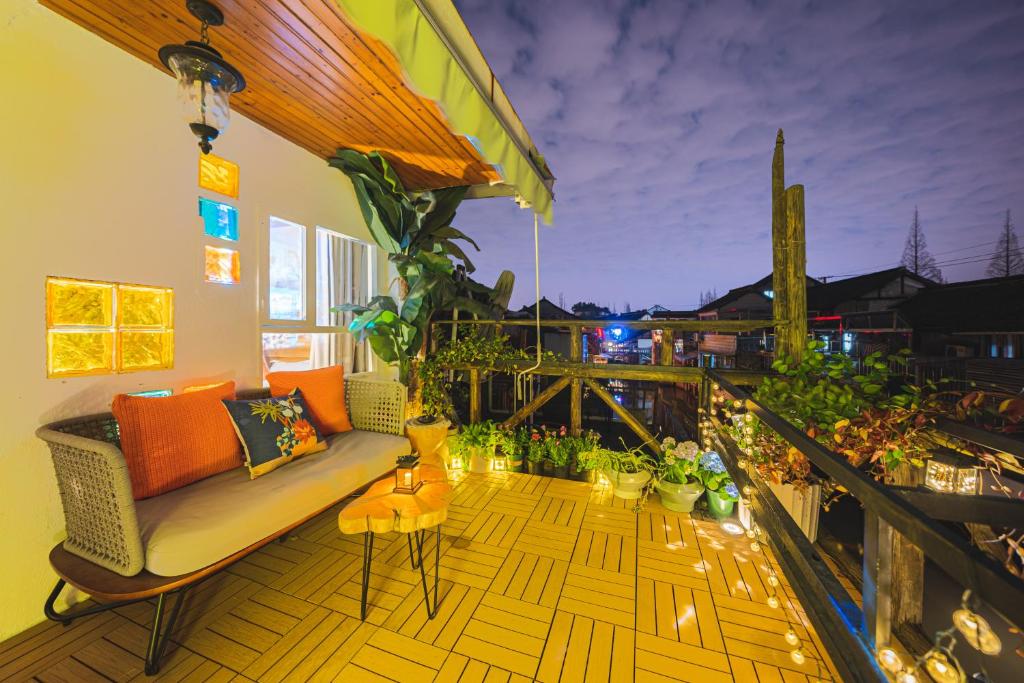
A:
[861,413]
[479,435]
[475,349]
[416,232]
[629,461]
[680,461]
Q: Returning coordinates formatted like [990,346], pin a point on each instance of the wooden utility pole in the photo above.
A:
[789,259]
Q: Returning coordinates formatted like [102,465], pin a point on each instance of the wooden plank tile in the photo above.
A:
[556,648]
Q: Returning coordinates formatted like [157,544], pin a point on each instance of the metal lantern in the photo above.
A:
[407,474]
[950,472]
[500,463]
[205,79]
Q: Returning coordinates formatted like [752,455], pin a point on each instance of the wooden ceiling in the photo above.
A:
[311,78]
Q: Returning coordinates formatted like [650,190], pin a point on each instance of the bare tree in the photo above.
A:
[916,257]
[1007,259]
[708,296]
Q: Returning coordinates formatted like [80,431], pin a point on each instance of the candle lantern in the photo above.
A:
[500,463]
[950,472]
[407,474]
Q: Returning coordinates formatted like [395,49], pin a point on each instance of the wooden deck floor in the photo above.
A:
[542,579]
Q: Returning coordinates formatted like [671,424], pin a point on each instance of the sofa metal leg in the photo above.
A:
[367,559]
[65,618]
[160,634]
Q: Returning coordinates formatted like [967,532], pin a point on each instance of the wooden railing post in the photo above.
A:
[474,395]
[576,387]
[780,298]
[795,272]
[668,347]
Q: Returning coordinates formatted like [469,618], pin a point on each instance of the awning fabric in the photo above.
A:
[433,71]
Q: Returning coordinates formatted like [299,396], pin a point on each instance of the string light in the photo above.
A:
[773,602]
[942,666]
[798,656]
[773,580]
[975,628]
[907,677]
[890,660]
[792,638]
[755,547]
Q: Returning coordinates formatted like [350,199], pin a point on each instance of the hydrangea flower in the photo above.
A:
[668,444]
[731,490]
[712,462]
[687,450]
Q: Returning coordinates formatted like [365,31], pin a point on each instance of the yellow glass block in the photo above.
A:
[145,306]
[79,302]
[222,266]
[145,350]
[218,175]
[70,353]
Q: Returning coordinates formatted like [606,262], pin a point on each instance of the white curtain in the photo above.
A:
[345,274]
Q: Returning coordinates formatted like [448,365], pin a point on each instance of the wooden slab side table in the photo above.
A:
[381,510]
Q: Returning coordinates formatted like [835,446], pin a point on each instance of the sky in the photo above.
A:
[658,119]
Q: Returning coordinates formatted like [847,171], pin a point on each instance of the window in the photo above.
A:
[103,327]
[307,272]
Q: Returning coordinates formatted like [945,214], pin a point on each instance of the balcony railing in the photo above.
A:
[851,632]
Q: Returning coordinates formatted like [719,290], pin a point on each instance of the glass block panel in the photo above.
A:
[222,266]
[70,353]
[79,302]
[219,219]
[218,175]
[145,350]
[286,298]
[145,306]
[153,393]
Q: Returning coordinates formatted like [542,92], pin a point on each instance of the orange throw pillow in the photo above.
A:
[324,391]
[173,441]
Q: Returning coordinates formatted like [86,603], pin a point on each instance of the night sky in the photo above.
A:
[658,119]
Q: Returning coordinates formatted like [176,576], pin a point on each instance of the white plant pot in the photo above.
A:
[803,505]
[628,486]
[680,497]
[480,459]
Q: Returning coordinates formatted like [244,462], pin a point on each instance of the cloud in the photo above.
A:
[658,118]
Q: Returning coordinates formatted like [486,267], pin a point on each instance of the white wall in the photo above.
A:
[98,180]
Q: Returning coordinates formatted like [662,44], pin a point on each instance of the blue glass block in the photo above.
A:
[219,219]
[153,393]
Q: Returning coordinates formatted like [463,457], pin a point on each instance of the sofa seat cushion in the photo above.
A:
[198,525]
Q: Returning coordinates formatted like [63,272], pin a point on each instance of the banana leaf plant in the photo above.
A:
[414,229]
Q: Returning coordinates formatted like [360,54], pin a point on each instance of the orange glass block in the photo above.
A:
[218,175]
[70,353]
[222,266]
[145,350]
[145,306]
[79,302]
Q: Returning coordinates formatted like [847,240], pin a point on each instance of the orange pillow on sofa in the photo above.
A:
[173,441]
[324,391]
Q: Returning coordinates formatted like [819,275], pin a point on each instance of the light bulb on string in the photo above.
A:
[889,659]
[755,547]
[773,602]
[942,666]
[748,490]
[908,676]
[773,580]
[975,628]
[792,638]
[798,656]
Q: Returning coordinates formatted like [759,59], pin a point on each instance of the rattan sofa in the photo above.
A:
[119,550]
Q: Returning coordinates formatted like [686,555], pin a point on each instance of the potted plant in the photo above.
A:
[509,443]
[582,448]
[628,471]
[478,442]
[535,453]
[558,453]
[679,480]
[722,493]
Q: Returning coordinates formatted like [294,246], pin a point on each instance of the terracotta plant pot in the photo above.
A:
[480,460]
[720,505]
[628,486]
[680,497]
[534,466]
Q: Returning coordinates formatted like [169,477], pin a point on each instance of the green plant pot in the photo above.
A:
[589,476]
[515,465]
[680,497]
[628,486]
[560,471]
[720,505]
[534,466]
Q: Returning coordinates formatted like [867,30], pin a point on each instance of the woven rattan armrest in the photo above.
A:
[96,493]
[376,404]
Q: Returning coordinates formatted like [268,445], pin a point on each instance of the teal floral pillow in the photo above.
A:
[274,431]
